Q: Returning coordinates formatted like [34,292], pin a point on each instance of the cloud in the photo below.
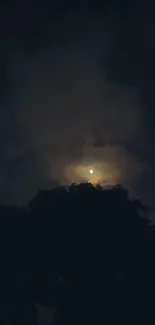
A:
[67,106]
[67,112]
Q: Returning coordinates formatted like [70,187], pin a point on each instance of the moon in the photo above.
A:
[91,171]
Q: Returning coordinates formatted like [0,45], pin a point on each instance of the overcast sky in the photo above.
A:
[77,89]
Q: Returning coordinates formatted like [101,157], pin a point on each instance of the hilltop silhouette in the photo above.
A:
[86,251]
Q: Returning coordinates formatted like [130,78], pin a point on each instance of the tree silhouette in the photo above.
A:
[100,243]
[85,250]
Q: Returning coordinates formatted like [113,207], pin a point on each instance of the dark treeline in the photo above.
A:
[86,251]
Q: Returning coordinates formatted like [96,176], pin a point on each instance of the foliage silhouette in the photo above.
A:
[95,245]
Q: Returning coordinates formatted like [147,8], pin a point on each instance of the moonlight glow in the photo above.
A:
[91,171]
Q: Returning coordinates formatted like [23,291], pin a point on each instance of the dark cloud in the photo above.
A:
[67,110]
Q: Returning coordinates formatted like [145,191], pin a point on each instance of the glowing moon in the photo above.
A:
[91,171]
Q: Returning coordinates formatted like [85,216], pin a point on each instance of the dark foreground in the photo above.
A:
[77,254]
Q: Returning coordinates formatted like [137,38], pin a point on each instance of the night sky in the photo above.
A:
[77,92]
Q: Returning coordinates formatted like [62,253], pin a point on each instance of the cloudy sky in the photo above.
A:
[77,91]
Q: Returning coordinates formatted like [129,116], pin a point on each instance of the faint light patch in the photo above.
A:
[103,172]
[46,314]
[112,165]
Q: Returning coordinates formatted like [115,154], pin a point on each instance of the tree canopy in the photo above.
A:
[95,246]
